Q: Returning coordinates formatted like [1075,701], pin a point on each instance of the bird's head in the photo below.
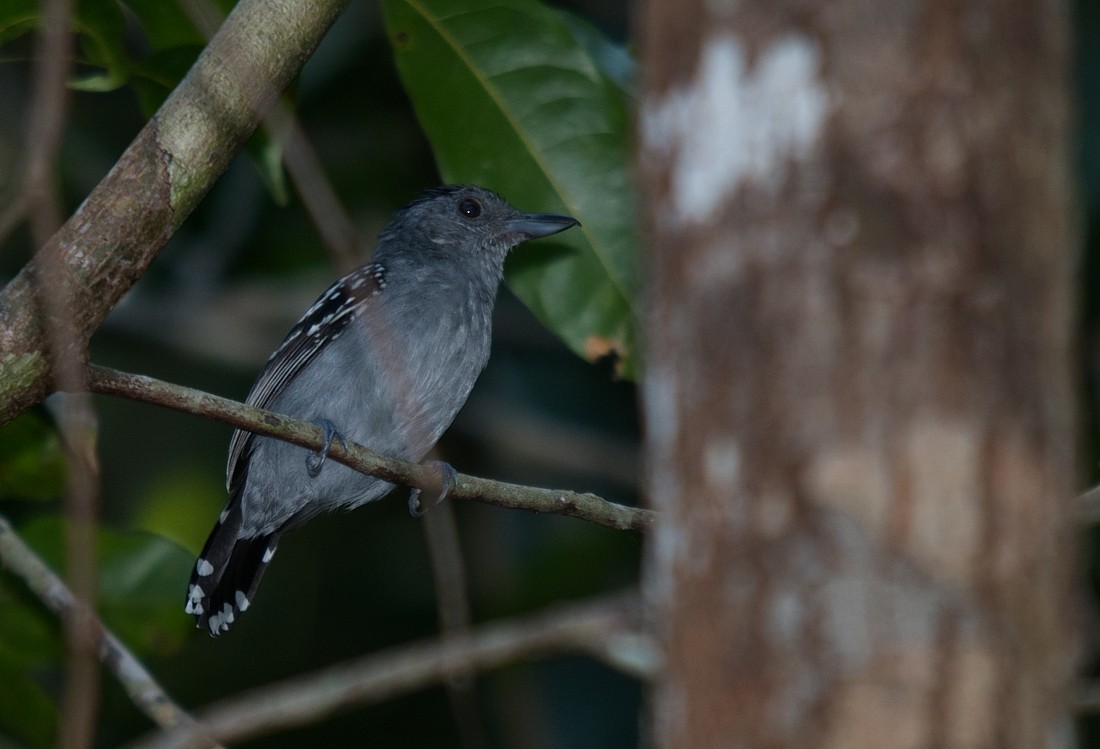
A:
[466,224]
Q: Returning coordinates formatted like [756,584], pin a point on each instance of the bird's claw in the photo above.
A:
[315,461]
[448,479]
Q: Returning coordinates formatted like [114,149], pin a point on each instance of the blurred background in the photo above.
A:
[217,301]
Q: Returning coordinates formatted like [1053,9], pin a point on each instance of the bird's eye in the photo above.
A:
[469,208]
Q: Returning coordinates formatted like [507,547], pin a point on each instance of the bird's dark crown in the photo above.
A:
[453,222]
[452,191]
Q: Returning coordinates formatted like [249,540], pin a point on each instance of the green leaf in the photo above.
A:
[32,466]
[158,74]
[267,154]
[165,25]
[510,99]
[28,632]
[614,60]
[171,43]
[142,577]
[26,712]
[102,33]
[180,505]
[29,647]
[17,17]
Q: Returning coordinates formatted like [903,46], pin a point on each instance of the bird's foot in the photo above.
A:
[314,461]
[448,479]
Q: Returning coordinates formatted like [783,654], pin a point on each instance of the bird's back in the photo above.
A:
[393,389]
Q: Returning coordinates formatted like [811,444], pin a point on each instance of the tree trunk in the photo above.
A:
[859,397]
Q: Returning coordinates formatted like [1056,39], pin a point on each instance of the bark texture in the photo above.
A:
[859,396]
[105,247]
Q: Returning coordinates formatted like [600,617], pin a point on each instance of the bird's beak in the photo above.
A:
[535,225]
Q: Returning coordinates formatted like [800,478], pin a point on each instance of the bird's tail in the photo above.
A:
[227,572]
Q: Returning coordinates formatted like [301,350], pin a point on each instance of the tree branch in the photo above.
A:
[156,183]
[453,602]
[559,502]
[46,120]
[76,420]
[607,625]
[142,688]
[329,218]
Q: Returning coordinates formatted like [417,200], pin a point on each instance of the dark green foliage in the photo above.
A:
[535,104]
[511,99]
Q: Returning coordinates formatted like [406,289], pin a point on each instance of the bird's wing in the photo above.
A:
[322,323]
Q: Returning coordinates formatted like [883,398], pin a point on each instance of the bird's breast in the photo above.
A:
[417,374]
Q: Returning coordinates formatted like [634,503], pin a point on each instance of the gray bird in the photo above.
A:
[385,357]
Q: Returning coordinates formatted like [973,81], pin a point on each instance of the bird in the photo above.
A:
[385,358]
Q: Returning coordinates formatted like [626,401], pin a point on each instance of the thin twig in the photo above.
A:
[452,594]
[46,120]
[382,676]
[325,210]
[142,688]
[160,178]
[75,417]
[77,421]
[329,217]
[557,501]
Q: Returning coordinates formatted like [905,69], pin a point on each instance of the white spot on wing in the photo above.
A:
[242,601]
[269,552]
[204,568]
[194,597]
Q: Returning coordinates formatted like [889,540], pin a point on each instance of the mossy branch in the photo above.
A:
[105,247]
